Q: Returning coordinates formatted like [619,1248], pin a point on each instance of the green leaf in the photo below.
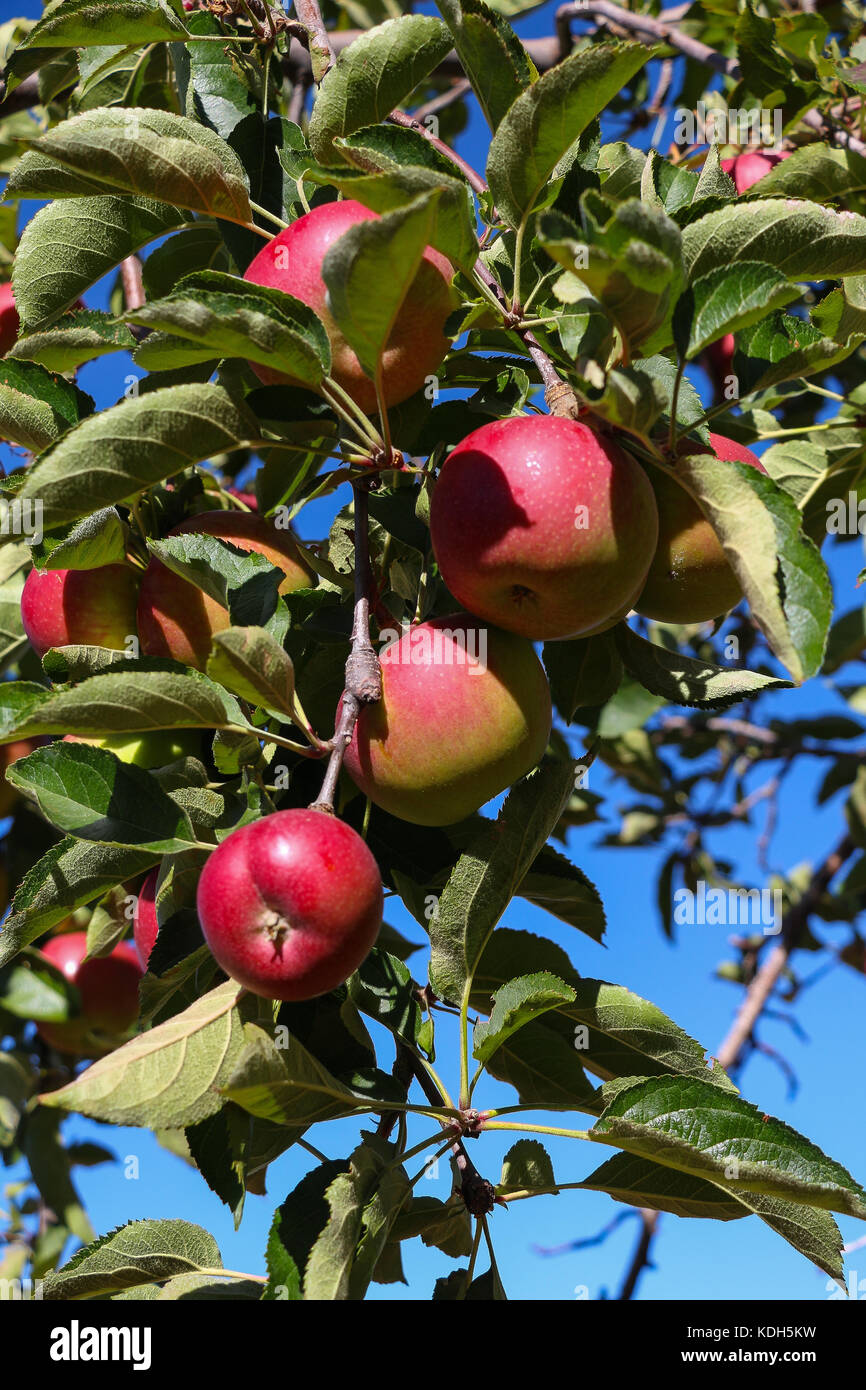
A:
[117,703]
[296,1227]
[515,1004]
[169,1077]
[141,1252]
[363,1202]
[287,1085]
[382,987]
[493,57]
[116,453]
[583,672]
[69,245]
[36,407]
[686,680]
[728,299]
[374,75]
[50,1170]
[698,1128]
[90,793]
[223,315]
[801,239]
[15,1085]
[147,154]
[80,337]
[97,540]
[641,1183]
[70,875]
[782,573]
[386,253]
[488,874]
[452,230]
[543,124]
[79,23]
[34,989]
[252,665]
[810,1230]
[613,1031]
[527,1165]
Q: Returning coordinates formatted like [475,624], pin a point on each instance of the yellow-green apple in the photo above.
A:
[291,904]
[543,526]
[108,990]
[690,580]
[91,608]
[465,711]
[152,749]
[177,619]
[145,924]
[417,344]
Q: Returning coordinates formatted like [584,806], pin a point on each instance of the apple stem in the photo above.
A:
[363,672]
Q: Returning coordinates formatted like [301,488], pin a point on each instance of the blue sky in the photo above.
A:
[702,1260]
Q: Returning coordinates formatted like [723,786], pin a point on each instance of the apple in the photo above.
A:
[690,579]
[178,620]
[108,987]
[291,904]
[543,526]
[465,711]
[720,360]
[91,608]
[9,322]
[145,925]
[293,262]
[152,749]
[750,167]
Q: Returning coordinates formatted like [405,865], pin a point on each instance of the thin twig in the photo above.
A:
[640,1260]
[310,15]
[363,672]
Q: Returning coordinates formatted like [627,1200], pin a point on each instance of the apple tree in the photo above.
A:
[439,474]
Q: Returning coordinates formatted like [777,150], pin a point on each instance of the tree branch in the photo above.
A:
[363,672]
[759,991]
[310,15]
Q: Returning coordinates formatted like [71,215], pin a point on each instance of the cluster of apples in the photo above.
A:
[543,529]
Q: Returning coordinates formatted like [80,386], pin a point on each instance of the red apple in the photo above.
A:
[543,526]
[178,620]
[465,712]
[108,986]
[690,580]
[417,345]
[290,905]
[720,361]
[9,322]
[144,924]
[91,608]
[750,167]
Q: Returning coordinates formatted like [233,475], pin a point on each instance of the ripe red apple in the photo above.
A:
[543,526]
[9,322]
[144,924]
[465,711]
[751,166]
[417,345]
[177,619]
[690,579]
[108,986]
[720,361]
[290,905]
[93,608]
